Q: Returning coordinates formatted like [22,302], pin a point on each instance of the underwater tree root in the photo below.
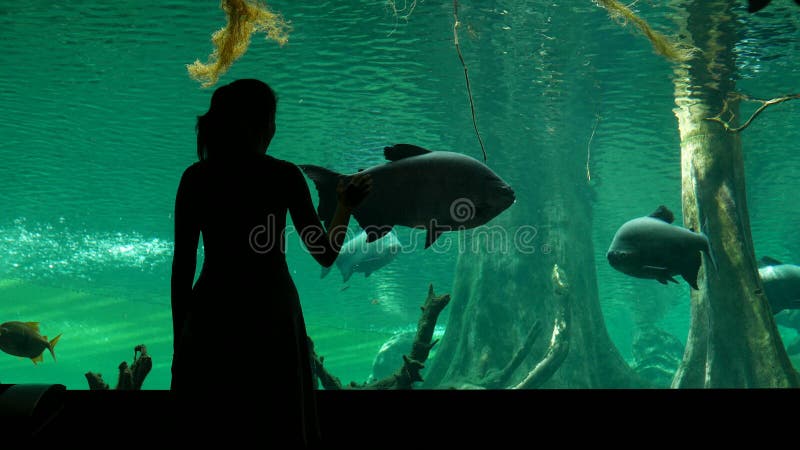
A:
[735,97]
[409,372]
[500,379]
[130,378]
[554,356]
[559,341]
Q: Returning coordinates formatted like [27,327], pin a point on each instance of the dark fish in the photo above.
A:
[781,284]
[758,5]
[357,255]
[436,190]
[23,339]
[651,247]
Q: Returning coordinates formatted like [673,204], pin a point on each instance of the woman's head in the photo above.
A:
[240,121]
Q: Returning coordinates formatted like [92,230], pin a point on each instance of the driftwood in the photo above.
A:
[130,377]
[409,372]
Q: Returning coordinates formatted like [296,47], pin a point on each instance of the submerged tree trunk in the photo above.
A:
[500,291]
[497,297]
[733,340]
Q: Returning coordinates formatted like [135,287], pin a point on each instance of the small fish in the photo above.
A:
[651,247]
[375,301]
[781,284]
[357,255]
[23,339]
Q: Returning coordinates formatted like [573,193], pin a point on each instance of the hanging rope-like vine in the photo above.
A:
[456,24]
[674,51]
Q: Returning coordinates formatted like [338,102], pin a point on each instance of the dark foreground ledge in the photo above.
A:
[383,419]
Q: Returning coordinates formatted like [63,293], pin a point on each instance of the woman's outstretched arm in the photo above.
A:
[324,245]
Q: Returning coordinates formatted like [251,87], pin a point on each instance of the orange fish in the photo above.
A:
[23,339]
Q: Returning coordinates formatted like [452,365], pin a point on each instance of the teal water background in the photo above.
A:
[97,124]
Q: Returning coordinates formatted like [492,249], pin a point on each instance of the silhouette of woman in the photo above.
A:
[243,313]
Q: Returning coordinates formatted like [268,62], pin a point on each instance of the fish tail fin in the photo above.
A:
[710,250]
[374,232]
[768,261]
[51,345]
[691,278]
[703,219]
[691,268]
[325,180]
[325,271]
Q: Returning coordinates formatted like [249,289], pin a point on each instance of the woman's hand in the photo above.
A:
[351,193]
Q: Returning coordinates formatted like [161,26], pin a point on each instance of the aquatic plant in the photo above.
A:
[674,51]
[245,17]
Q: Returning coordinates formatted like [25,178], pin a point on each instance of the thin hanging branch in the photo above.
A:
[735,96]
[589,148]
[466,77]
[400,13]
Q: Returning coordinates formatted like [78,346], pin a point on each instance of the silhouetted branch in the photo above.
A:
[328,381]
[735,96]
[130,378]
[409,372]
[96,382]
[559,342]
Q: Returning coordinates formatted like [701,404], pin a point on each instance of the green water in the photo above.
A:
[97,120]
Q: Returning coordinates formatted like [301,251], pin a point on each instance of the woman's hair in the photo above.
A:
[237,119]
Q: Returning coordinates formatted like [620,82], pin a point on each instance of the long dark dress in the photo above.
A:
[240,336]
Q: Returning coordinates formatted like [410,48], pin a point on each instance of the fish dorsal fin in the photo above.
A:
[401,151]
[663,213]
[767,261]
[33,325]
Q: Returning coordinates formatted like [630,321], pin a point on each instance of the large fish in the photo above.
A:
[436,190]
[781,284]
[651,247]
[23,339]
[357,255]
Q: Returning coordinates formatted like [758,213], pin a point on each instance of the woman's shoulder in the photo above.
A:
[283,165]
[194,169]
[280,162]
